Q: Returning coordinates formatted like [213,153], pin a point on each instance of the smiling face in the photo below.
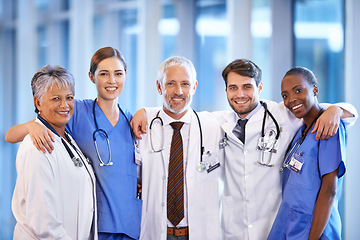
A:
[177,90]
[109,78]
[56,106]
[299,96]
[242,93]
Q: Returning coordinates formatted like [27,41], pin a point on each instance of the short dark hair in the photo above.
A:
[308,75]
[244,67]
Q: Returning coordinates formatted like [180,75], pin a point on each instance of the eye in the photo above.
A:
[55,98]
[103,74]
[186,84]
[70,98]
[284,96]
[298,90]
[119,74]
[232,87]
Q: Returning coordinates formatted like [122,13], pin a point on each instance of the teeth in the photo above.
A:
[296,107]
[241,102]
[111,88]
[65,112]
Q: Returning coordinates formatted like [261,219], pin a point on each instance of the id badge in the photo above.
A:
[296,162]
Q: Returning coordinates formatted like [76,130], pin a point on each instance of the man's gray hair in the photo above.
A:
[47,77]
[177,61]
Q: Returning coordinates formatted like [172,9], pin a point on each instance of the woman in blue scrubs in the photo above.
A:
[312,170]
[119,210]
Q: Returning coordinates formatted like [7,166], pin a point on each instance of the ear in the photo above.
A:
[194,87]
[158,86]
[316,90]
[37,103]
[91,77]
[260,87]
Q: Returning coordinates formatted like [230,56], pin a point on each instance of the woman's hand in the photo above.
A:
[41,136]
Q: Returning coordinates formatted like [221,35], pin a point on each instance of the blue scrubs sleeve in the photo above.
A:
[72,121]
[332,153]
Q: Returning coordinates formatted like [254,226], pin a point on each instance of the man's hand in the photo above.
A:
[138,123]
[328,123]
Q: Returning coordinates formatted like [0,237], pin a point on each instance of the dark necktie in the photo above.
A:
[175,188]
[242,123]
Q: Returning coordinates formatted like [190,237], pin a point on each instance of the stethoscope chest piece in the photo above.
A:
[268,143]
[201,167]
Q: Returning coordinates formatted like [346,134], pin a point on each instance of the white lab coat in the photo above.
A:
[252,192]
[202,187]
[53,199]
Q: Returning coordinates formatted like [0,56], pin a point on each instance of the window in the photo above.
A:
[319,44]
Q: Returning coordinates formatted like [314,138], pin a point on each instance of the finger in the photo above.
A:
[38,145]
[51,135]
[48,144]
[315,127]
[143,127]
[319,132]
[137,133]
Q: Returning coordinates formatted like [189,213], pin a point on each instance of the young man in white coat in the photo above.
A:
[197,189]
[252,186]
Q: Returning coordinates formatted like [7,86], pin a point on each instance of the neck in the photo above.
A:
[175,116]
[110,109]
[313,113]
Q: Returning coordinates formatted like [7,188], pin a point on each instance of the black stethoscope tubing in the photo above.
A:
[264,121]
[200,132]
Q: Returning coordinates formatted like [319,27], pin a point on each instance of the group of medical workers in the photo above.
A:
[265,170]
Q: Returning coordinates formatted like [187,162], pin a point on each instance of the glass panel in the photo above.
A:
[319,44]
[42,5]
[261,31]
[128,46]
[64,35]
[211,31]
[169,27]
[64,5]
[42,45]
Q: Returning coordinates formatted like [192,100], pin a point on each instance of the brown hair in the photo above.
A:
[244,67]
[104,53]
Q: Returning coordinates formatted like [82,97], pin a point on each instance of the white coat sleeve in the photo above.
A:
[349,122]
[39,192]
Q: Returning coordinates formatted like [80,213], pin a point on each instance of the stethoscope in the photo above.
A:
[265,143]
[269,144]
[101,131]
[291,152]
[201,166]
[78,161]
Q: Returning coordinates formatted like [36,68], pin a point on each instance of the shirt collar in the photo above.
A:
[258,106]
[167,119]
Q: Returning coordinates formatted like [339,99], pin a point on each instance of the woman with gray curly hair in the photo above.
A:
[54,196]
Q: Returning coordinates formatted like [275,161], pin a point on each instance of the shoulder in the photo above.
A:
[126,112]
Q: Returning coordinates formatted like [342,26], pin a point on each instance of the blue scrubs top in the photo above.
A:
[119,211]
[300,190]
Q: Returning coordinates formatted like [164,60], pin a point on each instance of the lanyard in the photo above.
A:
[77,161]
[291,151]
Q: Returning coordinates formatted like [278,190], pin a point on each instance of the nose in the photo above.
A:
[64,103]
[111,78]
[178,89]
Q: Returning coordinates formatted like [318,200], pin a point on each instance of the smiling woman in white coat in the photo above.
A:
[54,196]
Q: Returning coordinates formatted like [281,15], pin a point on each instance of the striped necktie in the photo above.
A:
[175,188]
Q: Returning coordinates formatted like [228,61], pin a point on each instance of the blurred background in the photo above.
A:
[322,35]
